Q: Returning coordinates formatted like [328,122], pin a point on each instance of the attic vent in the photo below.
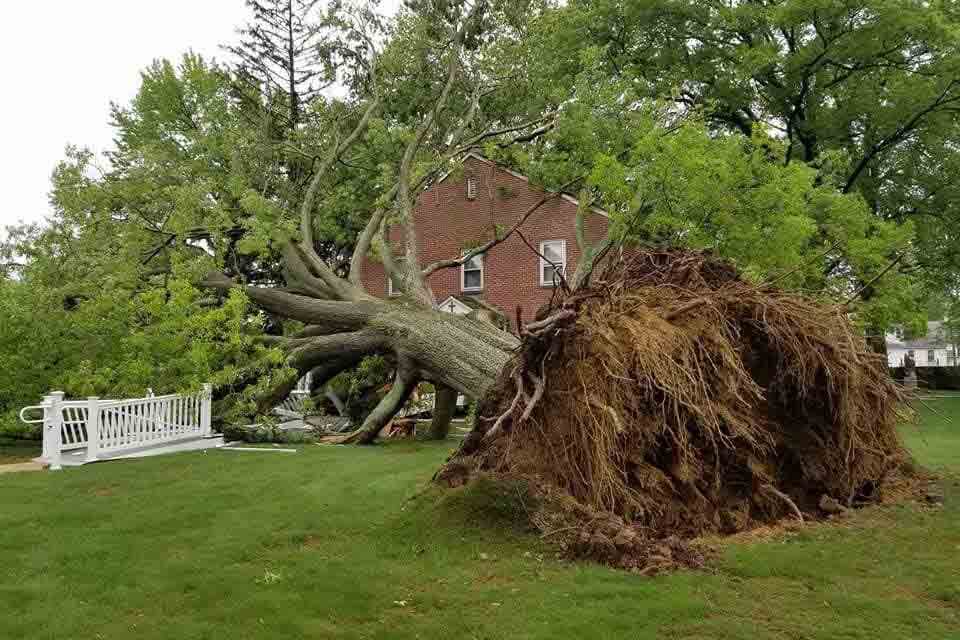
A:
[472,188]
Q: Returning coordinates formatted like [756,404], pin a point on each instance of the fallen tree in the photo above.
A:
[672,399]
[345,324]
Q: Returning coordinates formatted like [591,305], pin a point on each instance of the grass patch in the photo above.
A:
[338,542]
[935,438]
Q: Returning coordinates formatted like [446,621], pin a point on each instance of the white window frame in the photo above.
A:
[471,187]
[544,263]
[463,276]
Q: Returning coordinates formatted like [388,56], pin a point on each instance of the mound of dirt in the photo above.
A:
[672,399]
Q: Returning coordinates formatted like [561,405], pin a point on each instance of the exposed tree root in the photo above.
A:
[680,400]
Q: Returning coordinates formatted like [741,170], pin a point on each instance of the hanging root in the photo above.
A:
[780,494]
[679,400]
[506,415]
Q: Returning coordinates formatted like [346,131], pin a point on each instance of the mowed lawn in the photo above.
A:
[333,542]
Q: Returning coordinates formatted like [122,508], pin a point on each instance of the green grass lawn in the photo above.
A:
[328,543]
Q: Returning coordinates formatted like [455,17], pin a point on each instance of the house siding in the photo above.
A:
[936,340]
[448,224]
[943,356]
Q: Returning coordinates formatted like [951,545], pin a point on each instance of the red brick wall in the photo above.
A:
[448,223]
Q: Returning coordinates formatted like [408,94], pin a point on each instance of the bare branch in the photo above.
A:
[802,265]
[306,208]
[365,239]
[346,316]
[900,134]
[874,280]
[551,117]
[414,283]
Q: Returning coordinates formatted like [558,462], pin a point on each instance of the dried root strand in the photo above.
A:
[769,488]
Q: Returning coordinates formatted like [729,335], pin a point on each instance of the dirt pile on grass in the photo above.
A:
[673,399]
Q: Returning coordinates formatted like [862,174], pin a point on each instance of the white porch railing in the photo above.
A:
[293,405]
[107,427]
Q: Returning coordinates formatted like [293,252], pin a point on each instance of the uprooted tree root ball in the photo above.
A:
[672,400]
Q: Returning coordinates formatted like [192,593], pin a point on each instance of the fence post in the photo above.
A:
[53,427]
[93,428]
[206,412]
[45,432]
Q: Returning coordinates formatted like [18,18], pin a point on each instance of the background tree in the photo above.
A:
[282,57]
[866,92]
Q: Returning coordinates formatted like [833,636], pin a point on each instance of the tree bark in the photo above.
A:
[444,406]
[457,353]
[403,385]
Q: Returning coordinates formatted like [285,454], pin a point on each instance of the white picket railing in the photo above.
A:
[106,427]
[293,405]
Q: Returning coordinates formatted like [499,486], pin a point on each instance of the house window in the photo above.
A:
[931,356]
[472,274]
[472,188]
[553,261]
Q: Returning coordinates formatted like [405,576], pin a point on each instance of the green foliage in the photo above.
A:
[862,92]
[677,181]
[117,345]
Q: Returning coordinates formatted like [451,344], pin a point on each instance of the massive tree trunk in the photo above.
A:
[461,353]
[444,407]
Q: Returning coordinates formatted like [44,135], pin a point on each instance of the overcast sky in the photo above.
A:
[62,64]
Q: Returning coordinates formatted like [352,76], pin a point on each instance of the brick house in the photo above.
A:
[459,213]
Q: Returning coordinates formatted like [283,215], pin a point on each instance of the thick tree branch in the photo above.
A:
[899,135]
[299,277]
[306,208]
[346,316]
[325,357]
[389,261]
[366,237]
[404,383]
[414,283]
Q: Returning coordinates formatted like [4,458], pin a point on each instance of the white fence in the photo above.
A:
[107,427]
[293,405]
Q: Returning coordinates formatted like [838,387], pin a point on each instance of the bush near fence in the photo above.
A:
[12,428]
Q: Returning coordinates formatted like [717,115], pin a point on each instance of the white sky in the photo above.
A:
[63,62]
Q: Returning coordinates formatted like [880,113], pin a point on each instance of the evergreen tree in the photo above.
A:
[284,54]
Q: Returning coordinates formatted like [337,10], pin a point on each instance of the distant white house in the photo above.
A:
[932,350]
